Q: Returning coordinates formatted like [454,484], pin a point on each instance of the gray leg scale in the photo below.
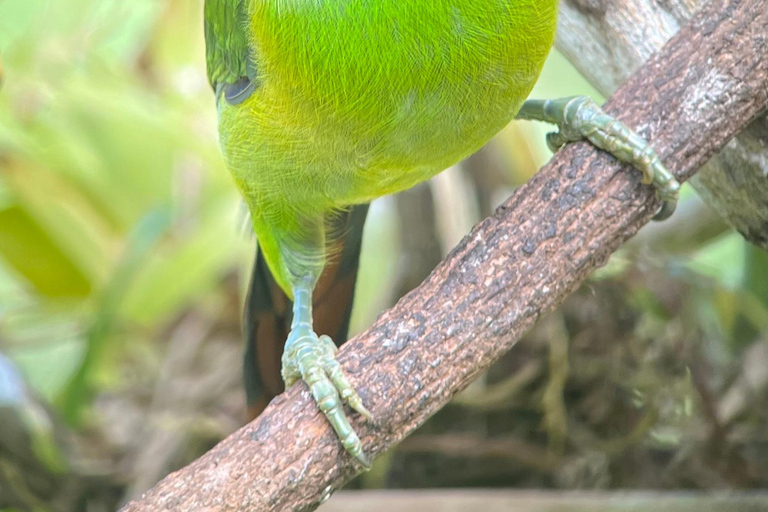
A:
[580,118]
[312,358]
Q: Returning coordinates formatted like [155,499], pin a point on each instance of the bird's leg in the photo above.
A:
[312,358]
[579,118]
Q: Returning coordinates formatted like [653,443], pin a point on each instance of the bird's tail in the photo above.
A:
[268,310]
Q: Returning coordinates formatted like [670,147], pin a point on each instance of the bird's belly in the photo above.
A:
[431,133]
[378,96]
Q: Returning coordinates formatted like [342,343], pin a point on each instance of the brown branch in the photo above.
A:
[689,100]
[608,41]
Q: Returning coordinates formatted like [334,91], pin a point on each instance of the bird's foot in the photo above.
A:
[579,118]
[313,359]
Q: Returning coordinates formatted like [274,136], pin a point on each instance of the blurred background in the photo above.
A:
[124,255]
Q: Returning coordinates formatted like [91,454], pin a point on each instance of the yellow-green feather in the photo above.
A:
[361,98]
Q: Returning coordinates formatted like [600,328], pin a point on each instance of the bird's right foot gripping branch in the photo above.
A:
[580,118]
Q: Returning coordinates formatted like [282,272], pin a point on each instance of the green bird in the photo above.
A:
[325,105]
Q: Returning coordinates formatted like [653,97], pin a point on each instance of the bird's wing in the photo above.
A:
[228,52]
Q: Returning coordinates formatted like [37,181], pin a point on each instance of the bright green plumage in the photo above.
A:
[357,99]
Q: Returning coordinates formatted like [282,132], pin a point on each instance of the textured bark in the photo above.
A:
[512,268]
[608,40]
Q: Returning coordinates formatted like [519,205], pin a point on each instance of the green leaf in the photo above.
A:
[29,250]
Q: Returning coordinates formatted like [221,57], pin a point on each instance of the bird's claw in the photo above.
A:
[579,118]
[313,359]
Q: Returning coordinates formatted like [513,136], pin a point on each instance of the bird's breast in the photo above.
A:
[374,96]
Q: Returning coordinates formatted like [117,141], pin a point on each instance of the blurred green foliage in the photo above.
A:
[115,210]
